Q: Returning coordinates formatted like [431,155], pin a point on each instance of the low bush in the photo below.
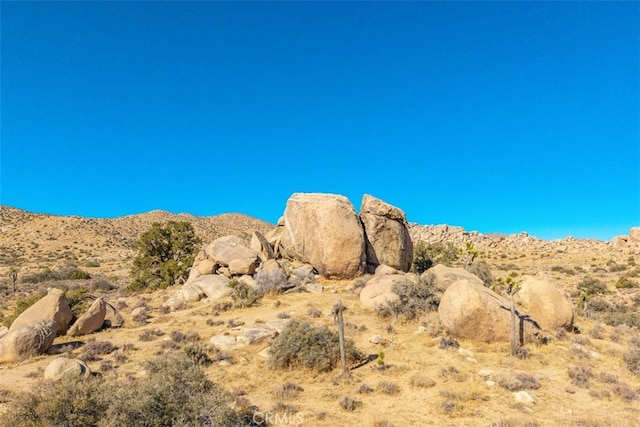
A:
[414,299]
[580,376]
[626,283]
[426,255]
[303,345]
[591,286]
[68,402]
[482,270]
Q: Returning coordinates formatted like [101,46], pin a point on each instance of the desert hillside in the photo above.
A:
[105,246]
[417,374]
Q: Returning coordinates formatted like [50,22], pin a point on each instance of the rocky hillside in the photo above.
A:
[428,356]
[35,241]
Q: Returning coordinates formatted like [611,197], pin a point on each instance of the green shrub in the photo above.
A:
[78,299]
[21,306]
[68,402]
[625,283]
[426,255]
[482,270]
[243,295]
[414,299]
[175,392]
[165,254]
[303,345]
[591,286]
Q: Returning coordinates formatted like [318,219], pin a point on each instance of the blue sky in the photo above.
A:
[495,116]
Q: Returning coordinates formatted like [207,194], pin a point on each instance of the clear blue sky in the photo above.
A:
[495,116]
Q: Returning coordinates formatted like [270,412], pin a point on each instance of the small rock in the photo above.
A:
[377,339]
[465,352]
[490,383]
[471,360]
[266,353]
[138,311]
[486,373]
[62,367]
[524,397]
[226,343]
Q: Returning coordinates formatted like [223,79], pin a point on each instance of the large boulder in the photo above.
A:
[63,367]
[379,290]
[53,306]
[634,235]
[441,276]
[91,320]
[225,249]
[27,341]
[261,245]
[545,303]
[323,230]
[214,286]
[471,311]
[387,235]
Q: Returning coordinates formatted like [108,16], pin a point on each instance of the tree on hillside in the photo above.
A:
[165,254]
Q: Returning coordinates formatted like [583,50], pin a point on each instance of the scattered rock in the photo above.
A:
[225,249]
[91,320]
[387,235]
[379,290]
[544,302]
[63,367]
[3,331]
[384,269]
[471,311]
[214,286]
[138,311]
[227,343]
[27,341]
[53,306]
[261,246]
[441,276]
[241,266]
[524,398]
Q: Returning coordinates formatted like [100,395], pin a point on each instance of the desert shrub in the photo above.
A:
[78,274]
[287,390]
[78,299]
[197,353]
[365,388]
[580,376]
[448,342]
[562,269]
[177,336]
[632,357]
[314,312]
[102,284]
[165,254]
[175,392]
[517,381]
[388,387]
[414,299]
[93,349]
[303,345]
[67,272]
[426,255]
[597,332]
[608,378]
[419,381]
[68,402]
[614,267]
[349,403]
[624,392]
[21,306]
[243,295]
[482,270]
[622,317]
[599,305]
[271,281]
[591,286]
[150,334]
[626,283]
